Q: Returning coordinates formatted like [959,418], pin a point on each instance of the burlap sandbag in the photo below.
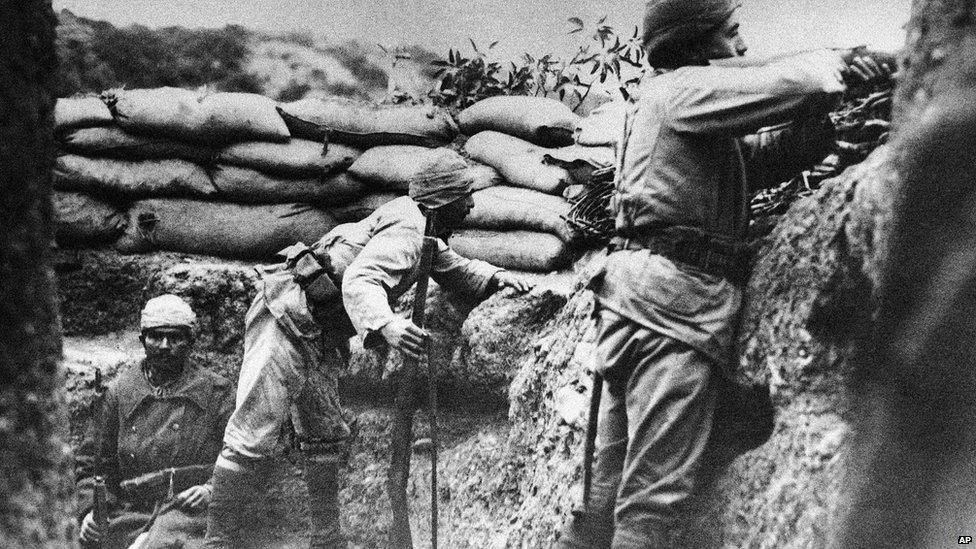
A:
[198,115]
[482,176]
[237,184]
[221,229]
[84,221]
[603,126]
[542,121]
[116,143]
[362,207]
[521,163]
[357,123]
[80,112]
[505,208]
[299,157]
[391,167]
[519,250]
[132,178]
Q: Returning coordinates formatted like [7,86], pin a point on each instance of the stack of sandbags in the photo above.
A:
[395,141]
[516,228]
[231,174]
[519,224]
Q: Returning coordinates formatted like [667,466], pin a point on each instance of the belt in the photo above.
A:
[692,247]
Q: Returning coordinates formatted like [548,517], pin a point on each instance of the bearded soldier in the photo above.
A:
[669,293]
[297,332]
[165,417]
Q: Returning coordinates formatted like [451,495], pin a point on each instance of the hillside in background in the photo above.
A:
[95,55]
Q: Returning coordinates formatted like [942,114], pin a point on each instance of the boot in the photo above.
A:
[322,477]
[235,497]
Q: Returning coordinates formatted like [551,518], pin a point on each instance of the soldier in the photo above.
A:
[296,341]
[165,414]
[669,293]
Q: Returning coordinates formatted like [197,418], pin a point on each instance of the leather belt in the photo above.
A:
[692,247]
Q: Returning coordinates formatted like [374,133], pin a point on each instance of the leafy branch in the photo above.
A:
[602,56]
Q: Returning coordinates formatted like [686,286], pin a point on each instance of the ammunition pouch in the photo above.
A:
[711,254]
[311,273]
[316,277]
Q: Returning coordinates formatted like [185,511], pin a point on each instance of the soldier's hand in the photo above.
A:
[90,532]
[406,336]
[866,67]
[195,497]
[505,279]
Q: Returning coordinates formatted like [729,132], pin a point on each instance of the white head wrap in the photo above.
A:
[167,310]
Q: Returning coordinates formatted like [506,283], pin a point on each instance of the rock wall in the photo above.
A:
[34,484]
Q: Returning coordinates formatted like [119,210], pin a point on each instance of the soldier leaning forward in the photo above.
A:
[296,341]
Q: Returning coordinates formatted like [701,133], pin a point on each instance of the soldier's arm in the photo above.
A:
[387,258]
[739,100]
[469,277]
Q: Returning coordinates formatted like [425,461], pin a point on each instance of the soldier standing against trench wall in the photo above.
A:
[669,293]
[296,340]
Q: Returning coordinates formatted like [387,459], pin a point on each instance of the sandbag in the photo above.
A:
[80,112]
[237,184]
[519,250]
[198,116]
[603,126]
[221,229]
[114,142]
[505,208]
[357,123]
[393,166]
[131,178]
[298,157]
[84,221]
[521,163]
[482,176]
[361,208]
[542,121]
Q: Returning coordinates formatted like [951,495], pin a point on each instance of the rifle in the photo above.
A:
[99,509]
[589,443]
[165,483]
[404,405]
[99,491]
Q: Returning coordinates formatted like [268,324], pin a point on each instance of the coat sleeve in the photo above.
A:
[739,100]
[98,453]
[468,277]
[389,257]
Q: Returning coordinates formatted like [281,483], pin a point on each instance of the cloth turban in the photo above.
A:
[668,23]
[167,310]
[440,180]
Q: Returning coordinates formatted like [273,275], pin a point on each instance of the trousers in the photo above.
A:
[287,370]
[655,420]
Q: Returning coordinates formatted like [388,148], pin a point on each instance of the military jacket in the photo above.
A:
[141,429]
[681,162]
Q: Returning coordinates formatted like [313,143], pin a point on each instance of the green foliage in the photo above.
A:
[603,55]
